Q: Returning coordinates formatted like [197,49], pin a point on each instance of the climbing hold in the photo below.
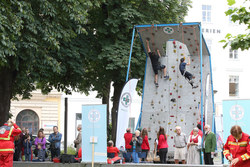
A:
[202,65]
[173,70]
[181,120]
[196,49]
[171,115]
[153,34]
[179,96]
[177,59]
[191,33]
[169,123]
[174,42]
[179,107]
[161,109]
[172,137]
[152,115]
[172,66]
[154,122]
[173,100]
[194,100]
[182,54]
[175,84]
[172,107]
[193,93]
[185,31]
[170,93]
[191,45]
[156,93]
[159,102]
[157,114]
[190,108]
[176,90]
[174,46]
[174,51]
[174,121]
[180,47]
[189,39]
[161,95]
[180,86]
[193,66]
[163,121]
[192,59]
[152,103]
[170,79]
[165,89]
[194,114]
[174,104]
[171,129]
[159,122]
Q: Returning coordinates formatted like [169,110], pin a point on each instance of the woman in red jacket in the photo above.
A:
[162,145]
[145,145]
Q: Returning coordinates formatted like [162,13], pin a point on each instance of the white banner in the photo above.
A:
[124,110]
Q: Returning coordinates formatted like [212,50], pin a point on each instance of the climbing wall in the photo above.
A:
[174,102]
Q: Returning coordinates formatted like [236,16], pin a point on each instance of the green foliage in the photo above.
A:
[110,26]
[241,15]
[38,43]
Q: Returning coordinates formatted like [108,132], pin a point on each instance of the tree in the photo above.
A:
[39,48]
[241,15]
[110,26]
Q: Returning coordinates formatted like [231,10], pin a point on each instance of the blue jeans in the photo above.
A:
[135,157]
[27,157]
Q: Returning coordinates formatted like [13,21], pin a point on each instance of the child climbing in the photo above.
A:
[154,57]
[185,73]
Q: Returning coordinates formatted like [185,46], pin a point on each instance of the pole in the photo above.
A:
[130,54]
[65,125]
[93,151]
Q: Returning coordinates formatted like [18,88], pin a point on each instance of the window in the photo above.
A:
[233,85]
[78,121]
[206,13]
[131,124]
[233,54]
[28,119]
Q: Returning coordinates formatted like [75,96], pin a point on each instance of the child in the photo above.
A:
[41,154]
[27,147]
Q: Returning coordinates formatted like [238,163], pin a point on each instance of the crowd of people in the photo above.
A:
[187,148]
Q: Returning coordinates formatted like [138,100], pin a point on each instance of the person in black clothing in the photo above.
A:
[185,73]
[154,57]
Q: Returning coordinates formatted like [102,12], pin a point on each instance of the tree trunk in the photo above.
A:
[105,100]
[6,81]
[116,97]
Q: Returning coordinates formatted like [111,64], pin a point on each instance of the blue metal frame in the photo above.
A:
[130,54]
[160,25]
[138,125]
[201,60]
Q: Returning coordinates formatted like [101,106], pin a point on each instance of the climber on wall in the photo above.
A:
[154,57]
[185,73]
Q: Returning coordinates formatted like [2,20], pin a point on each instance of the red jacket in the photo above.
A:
[162,143]
[240,149]
[128,138]
[7,135]
[113,150]
[145,144]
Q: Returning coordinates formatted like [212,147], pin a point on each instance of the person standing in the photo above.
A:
[78,140]
[209,145]
[55,141]
[162,145]
[136,146]
[128,138]
[154,57]
[145,145]
[194,141]
[180,142]
[40,140]
[27,147]
[7,136]
[237,148]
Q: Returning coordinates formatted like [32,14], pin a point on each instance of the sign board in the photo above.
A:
[94,132]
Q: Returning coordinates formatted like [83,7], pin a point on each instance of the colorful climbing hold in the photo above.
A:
[172,66]
[179,107]
[177,59]
[170,79]
[180,86]
[169,123]
[182,54]
[170,93]
[174,42]
[173,70]
[179,96]
[174,51]
[174,104]
[180,47]
[175,84]
[182,120]
[171,115]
